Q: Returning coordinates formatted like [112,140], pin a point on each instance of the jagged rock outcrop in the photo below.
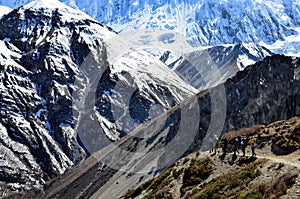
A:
[264,93]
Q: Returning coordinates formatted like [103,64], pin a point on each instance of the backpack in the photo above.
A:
[243,141]
[253,143]
[237,142]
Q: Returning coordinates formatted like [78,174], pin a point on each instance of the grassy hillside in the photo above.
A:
[273,173]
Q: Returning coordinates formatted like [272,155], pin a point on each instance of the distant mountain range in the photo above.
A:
[203,23]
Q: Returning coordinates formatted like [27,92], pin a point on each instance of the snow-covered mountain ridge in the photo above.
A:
[211,66]
[204,22]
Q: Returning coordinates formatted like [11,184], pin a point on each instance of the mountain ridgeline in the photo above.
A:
[209,67]
[204,22]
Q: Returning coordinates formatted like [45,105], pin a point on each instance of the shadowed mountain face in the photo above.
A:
[263,93]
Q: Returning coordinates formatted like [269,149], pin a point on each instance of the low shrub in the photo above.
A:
[198,171]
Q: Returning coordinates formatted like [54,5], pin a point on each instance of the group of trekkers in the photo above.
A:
[238,143]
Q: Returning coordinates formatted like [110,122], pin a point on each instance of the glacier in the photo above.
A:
[203,23]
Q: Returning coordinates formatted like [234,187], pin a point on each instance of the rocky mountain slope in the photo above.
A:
[261,94]
[61,87]
[209,175]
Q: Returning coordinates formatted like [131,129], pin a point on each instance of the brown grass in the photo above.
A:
[198,171]
[277,188]
[245,132]
[229,185]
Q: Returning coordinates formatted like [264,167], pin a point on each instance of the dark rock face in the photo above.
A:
[263,93]
[269,94]
[35,97]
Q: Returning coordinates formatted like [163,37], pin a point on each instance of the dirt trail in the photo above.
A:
[292,159]
[283,159]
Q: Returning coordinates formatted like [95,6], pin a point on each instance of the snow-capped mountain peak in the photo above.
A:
[53,4]
[4,10]
[46,6]
[203,23]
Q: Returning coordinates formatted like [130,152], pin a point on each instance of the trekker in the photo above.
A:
[253,144]
[243,145]
[225,144]
[237,144]
[216,145]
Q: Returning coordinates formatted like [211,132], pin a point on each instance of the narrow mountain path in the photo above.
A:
[292,159]
[289,160]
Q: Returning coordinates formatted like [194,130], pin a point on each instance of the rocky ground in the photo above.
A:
[219,175]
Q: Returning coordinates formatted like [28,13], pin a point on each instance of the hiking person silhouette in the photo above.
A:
[224,145]
[244,145]
[216,146]
[237,144]
[252,143]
